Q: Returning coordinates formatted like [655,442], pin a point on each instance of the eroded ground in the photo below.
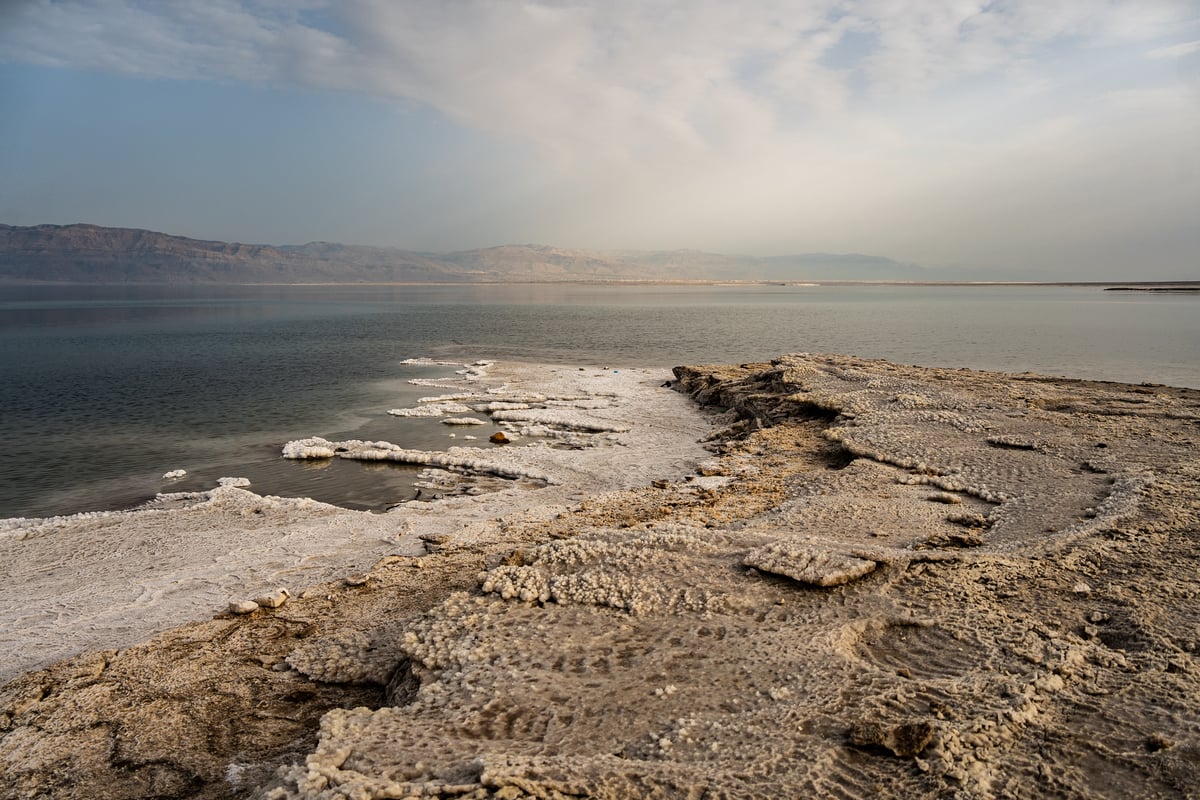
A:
[885,581]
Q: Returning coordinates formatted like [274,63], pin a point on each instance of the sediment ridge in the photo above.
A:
[877,580]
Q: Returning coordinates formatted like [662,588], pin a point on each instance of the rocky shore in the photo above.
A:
[876,580]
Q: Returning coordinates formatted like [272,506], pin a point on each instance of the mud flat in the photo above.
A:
[877,580]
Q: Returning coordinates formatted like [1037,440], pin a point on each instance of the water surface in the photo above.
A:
[105,388]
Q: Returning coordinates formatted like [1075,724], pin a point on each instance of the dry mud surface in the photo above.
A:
[878,581]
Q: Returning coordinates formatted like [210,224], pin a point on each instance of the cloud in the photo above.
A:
[572,74]
[921,128]
[1176,50]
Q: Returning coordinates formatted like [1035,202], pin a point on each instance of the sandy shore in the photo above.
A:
[876,580]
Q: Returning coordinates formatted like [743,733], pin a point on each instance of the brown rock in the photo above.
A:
[906,739]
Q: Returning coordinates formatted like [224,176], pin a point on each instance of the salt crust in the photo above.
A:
[473,652]
[819,567]
[646,661]
[465,458]
[609,568]
[431,410]
[349,657]
[110,579]
[560,419]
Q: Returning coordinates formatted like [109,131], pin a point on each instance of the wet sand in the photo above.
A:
[871,580]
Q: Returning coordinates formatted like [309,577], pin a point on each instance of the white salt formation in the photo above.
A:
[110,579]
[468,459]
[431,410]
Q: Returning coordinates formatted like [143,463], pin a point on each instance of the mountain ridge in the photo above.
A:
[85,253]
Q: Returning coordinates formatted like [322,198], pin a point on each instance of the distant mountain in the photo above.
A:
[94,254]
[89,253]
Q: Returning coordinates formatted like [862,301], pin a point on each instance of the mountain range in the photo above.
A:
[94,254]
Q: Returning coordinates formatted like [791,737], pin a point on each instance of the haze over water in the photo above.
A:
[107,388]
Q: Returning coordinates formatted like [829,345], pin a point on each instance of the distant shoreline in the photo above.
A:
[1108,286]
[1161,288]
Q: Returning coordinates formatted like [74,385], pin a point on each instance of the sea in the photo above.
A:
[104,389]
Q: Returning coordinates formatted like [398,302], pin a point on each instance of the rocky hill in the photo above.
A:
[94,254]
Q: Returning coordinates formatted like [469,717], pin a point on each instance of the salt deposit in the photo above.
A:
[877,581]
[430,410]
[109,579]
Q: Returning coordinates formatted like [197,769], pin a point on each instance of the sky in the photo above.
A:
[1051,139]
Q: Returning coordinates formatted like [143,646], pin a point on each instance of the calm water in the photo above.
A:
[103,389]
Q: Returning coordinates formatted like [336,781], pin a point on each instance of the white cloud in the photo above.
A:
[916,125]
[619,75]
[1176,50]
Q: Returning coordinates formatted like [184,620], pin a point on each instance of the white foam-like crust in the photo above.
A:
[471,459]
[431,410]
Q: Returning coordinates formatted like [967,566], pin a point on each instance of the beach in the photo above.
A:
[821,575]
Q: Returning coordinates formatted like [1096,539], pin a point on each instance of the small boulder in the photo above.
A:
[498,438]
[275,599]
[906,739]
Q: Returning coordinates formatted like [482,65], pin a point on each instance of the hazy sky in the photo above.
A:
[1059,138]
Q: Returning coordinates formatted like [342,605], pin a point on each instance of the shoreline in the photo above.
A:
[69,591]
[1111,285]
[877,578]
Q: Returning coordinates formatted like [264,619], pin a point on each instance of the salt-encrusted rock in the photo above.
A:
[237,483]
[808,564]
[243,606]
[616,569]
[561,419]
[430,410]
[463,421]
[499,405]
[314,447]
[467,459]
[275,599]
[349,657]
[523,583]
[175,473]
